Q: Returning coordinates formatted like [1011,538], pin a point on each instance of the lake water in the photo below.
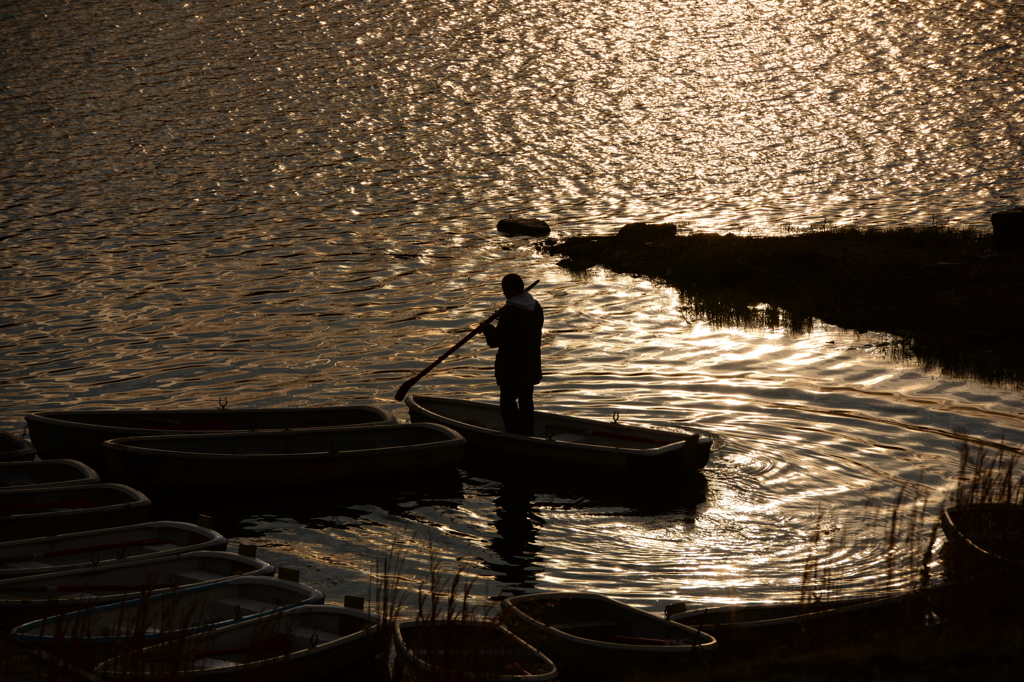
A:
[294,203]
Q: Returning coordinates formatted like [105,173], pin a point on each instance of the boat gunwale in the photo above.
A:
[90,475]
[373,625]
[50,542]
[842,607]
[510,603]
[402,649]
[196,554]
[137,445]
[135,498]
[42,638]
[412,402]
[59,418]
[948,521]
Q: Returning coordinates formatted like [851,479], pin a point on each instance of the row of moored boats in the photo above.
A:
[87,580]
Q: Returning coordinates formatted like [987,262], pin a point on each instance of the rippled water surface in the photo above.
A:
[294,204]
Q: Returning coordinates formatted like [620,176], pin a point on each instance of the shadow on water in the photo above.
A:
[311,507]
[518,522]
[517,525]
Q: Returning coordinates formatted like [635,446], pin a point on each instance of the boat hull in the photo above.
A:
[304,643]
[105,546]
[50,473]
[70,509]
[15,449]
[583,447]
[30,598]
[315,457]
[466,650]
[600,638]
[91,635]
[79,434]
[748,630]
[985,537]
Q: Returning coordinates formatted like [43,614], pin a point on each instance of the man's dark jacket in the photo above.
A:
[517,338]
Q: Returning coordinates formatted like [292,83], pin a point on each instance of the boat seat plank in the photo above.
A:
[26,564]
[245,605]
[212,663]
[307,634]
[15,480]
[187,577]
[590,624]
[161,547]
[569,437]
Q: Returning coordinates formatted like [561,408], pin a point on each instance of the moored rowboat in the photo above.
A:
[79,434]
[749,629]
[45,474]
[105,546]
[69,509]
[599,637]
[303,643]
[988,536]
[582,446]
[15,449]
[30,598]
[281,458]
[466,650]
[95,633]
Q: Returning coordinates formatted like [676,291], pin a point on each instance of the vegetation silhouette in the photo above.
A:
[948,297]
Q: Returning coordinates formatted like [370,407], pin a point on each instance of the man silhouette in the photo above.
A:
[517,366]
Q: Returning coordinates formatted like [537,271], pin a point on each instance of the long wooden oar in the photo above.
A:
[404,388]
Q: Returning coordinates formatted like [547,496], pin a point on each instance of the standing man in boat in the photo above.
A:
[517,365]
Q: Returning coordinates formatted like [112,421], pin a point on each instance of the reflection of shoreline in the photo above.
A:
[946,293]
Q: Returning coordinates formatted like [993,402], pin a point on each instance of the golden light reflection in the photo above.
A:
[297,139]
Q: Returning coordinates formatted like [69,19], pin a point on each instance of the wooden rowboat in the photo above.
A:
[69,509]
[30,598]
[743,630]
[284,458]
[986,536]
[105,546]
[45,474]
[595,636]
[585,447]
[15,449]
[79,434]
[94,634]
[303,643]
[466,650]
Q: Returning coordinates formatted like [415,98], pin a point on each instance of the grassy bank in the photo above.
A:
[953,301]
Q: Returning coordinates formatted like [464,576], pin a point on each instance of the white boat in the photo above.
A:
[585,447]
[314,457]
[105,546]
[466,650]
[598,637]
[79,434]
[90,635]
[15,449]
[30,598]
[37,512]
[303,643]
[45,474]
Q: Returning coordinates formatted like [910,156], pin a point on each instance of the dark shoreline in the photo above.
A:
[948,297]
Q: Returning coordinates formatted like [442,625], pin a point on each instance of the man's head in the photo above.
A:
[512,285]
